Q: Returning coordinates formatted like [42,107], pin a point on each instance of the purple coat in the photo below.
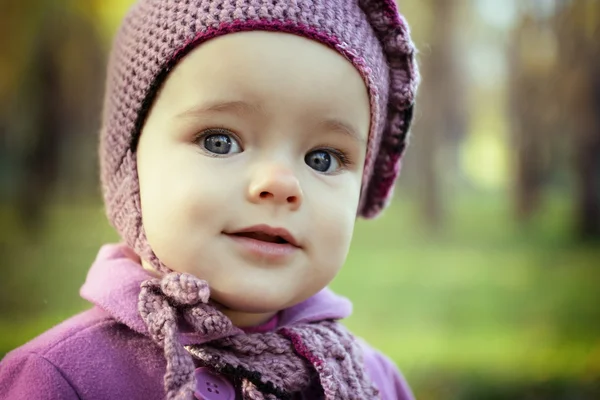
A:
[105,353]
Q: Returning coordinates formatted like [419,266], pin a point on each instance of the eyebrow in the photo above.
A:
[337,125]
[235,106]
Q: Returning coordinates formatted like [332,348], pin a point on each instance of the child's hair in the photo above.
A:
[156,34]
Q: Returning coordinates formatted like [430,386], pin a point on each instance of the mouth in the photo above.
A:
[267,234]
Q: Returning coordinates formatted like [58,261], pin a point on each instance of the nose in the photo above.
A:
[275,184]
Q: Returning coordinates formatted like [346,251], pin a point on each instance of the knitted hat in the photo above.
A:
[157,34]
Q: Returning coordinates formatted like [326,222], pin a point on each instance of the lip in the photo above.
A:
[271,231]
[262,249]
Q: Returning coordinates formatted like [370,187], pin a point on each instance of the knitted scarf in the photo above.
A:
[272,365]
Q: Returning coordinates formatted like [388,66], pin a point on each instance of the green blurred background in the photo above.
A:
[482,280]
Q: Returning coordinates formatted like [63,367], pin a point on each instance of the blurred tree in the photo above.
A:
[554,98]
[530,110]
[53,96]
[577,25]
[41,108]
[443,124]
[16,35]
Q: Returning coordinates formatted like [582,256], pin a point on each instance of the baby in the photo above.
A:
[240,141]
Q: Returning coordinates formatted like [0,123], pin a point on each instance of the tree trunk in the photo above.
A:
[529,89]
[587,164]
[437,100]
[576,27]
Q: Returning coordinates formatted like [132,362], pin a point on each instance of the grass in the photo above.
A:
[482,308]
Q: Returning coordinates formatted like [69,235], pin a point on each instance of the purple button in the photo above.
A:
[210,386]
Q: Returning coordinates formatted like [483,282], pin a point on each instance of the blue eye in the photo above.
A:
[322,161]
[221,144]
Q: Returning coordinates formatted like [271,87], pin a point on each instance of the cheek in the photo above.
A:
[332,228]
[180,199]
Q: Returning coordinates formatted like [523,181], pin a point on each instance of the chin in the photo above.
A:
[251,305]
[256,301]
[251,308]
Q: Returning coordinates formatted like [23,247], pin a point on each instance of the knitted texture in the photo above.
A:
[157,34]
[272,365]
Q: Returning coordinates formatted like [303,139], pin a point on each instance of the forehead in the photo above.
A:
[276,72]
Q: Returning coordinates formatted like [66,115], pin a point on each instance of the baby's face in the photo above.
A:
[250,167]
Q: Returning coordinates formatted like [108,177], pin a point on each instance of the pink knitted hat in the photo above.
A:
[156,34]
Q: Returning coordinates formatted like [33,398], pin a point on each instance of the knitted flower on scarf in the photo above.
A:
[272,365]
